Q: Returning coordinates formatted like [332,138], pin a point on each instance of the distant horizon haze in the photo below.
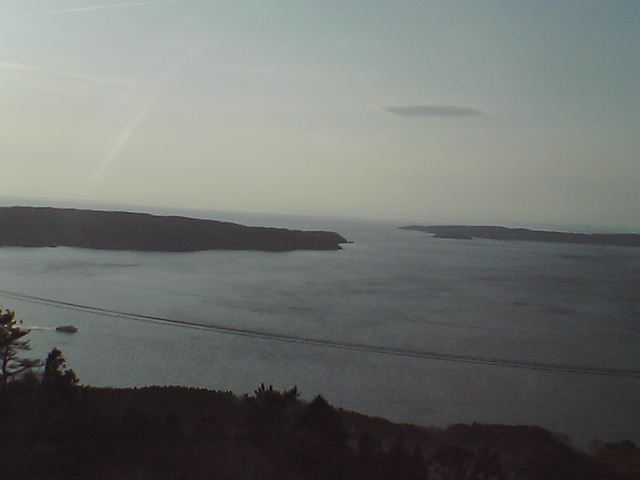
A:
[240,216]
[502,112]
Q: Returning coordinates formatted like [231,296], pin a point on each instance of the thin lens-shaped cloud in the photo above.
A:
[432,111]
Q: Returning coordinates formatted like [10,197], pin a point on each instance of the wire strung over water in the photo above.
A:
[354,346]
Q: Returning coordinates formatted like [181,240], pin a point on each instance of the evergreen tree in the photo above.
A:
[11,344]
[321,447]
[55,376]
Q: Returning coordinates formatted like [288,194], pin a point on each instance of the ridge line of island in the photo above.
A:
[469,232]
[110,230]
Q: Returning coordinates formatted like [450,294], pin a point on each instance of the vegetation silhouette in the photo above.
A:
[11,344]
[52,427]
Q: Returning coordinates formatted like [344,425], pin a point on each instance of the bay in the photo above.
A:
[531,302]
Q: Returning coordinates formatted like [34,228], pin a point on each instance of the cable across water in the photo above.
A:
[320,342]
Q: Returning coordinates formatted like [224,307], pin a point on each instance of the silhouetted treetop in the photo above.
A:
[12,342]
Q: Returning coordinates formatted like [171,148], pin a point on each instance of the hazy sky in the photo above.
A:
[521,111]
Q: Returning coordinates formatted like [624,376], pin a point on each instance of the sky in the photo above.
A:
[515,111]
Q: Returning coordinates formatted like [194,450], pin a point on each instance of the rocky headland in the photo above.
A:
[461,232]
[53,227]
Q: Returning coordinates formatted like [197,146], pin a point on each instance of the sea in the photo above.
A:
[344,324]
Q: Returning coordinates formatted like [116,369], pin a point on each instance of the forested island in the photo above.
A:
[462,232]
[53,227]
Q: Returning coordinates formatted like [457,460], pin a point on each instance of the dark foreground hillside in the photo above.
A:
[181,433]
[52,227]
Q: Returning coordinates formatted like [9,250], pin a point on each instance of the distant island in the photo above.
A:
[53,227]
[461,232]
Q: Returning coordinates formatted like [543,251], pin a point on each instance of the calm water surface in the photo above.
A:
[533,302]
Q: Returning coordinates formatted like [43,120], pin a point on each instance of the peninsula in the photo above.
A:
[522,234]
[53,227]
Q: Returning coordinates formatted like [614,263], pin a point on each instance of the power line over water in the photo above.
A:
[328,343]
